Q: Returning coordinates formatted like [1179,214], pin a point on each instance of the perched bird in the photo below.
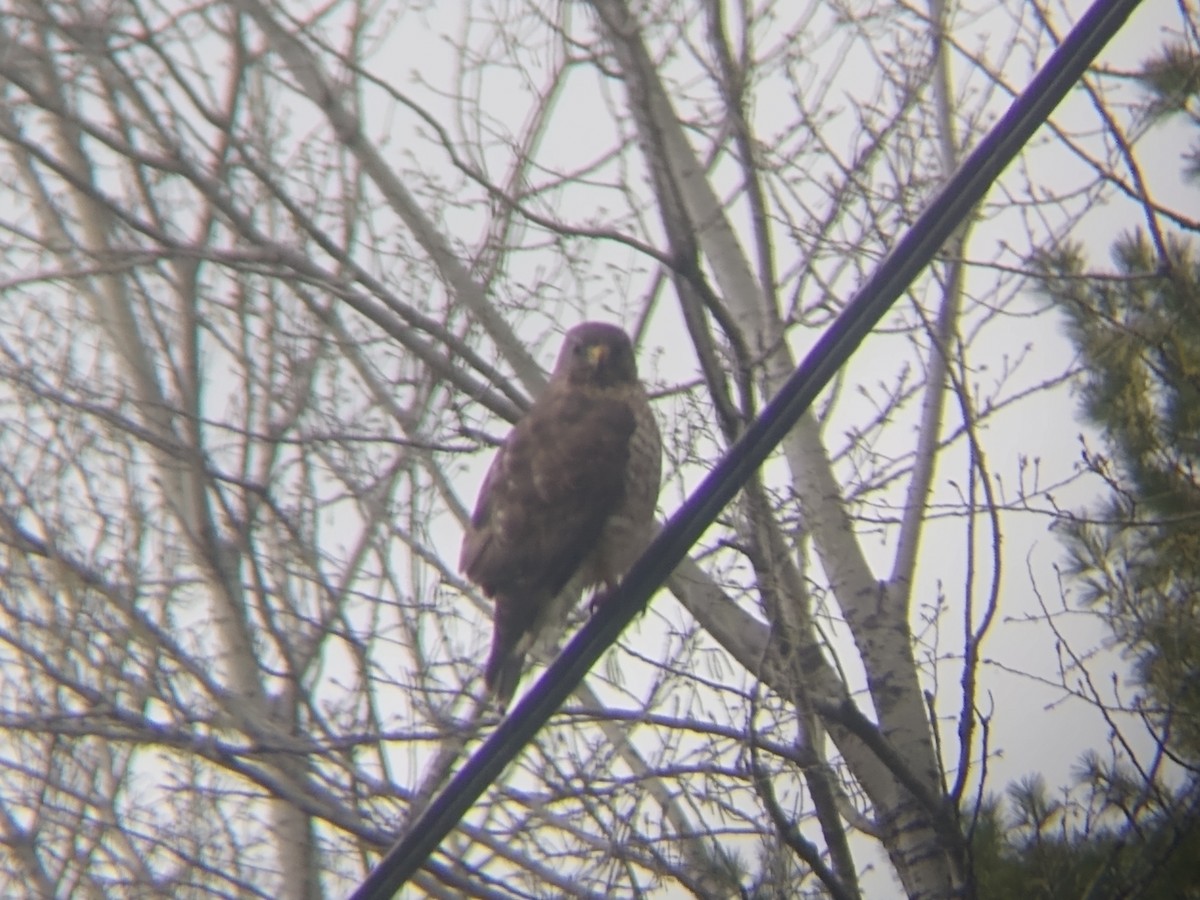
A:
[569,499]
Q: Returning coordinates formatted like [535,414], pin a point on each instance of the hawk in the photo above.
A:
[569,499]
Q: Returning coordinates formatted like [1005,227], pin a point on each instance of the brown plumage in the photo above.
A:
[569,499]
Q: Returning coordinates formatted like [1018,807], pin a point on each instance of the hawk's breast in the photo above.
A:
[629,527]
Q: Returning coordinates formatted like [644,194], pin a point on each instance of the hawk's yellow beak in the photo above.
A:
[597,354]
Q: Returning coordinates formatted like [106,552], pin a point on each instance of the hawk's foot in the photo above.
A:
[600,597]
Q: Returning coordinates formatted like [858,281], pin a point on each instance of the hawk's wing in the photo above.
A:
[559,475]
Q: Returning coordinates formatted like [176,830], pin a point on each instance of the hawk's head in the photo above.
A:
[598,354]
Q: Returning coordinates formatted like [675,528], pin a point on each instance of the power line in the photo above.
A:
[911,254]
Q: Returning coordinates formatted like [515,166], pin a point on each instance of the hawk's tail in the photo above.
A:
[503,672]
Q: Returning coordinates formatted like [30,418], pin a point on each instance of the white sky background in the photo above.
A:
[1030,734]
[1032,730]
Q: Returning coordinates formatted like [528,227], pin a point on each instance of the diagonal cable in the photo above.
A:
[896,271]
